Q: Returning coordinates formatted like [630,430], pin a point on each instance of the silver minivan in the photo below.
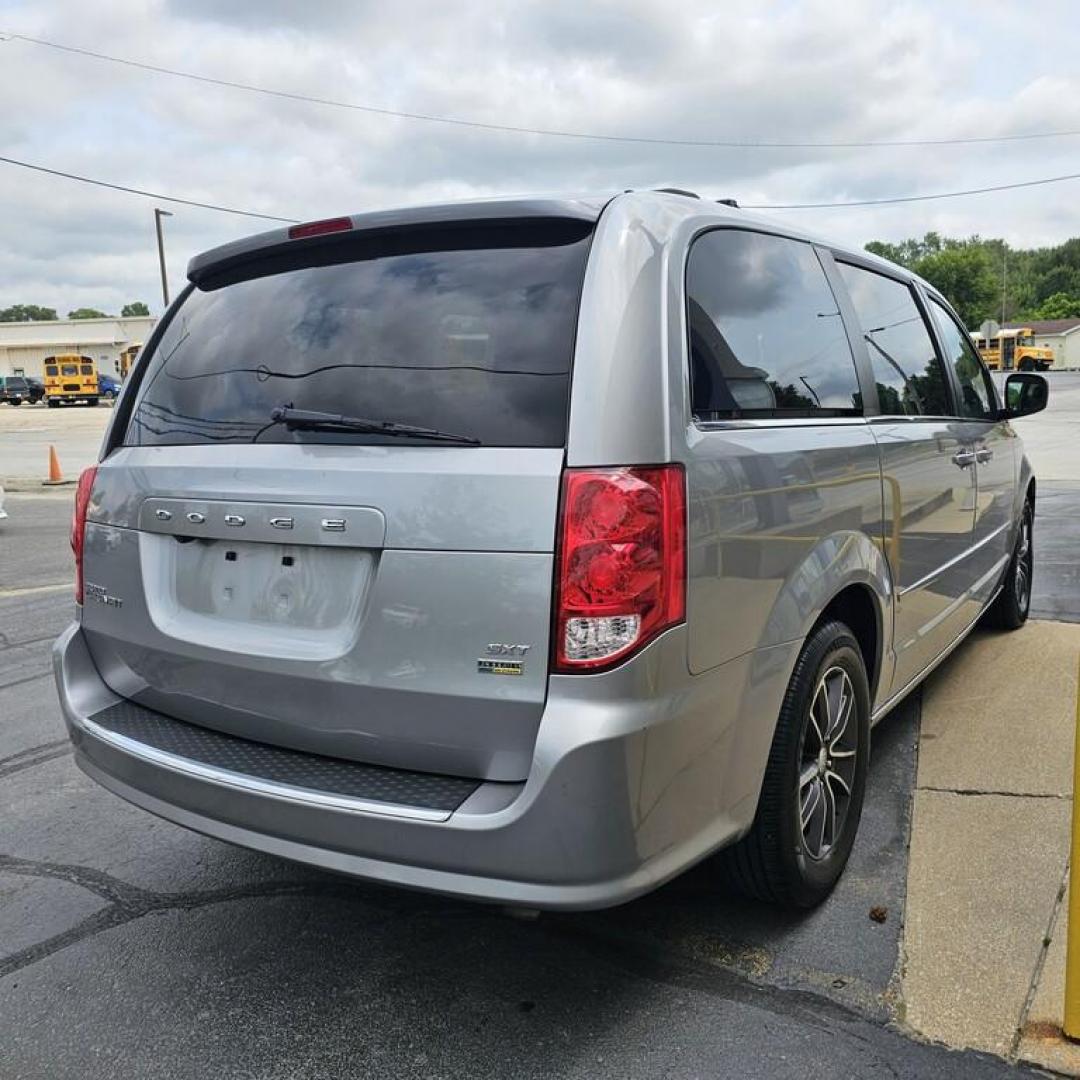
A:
[534,550]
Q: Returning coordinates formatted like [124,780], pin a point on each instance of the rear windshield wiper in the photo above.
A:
[314,420]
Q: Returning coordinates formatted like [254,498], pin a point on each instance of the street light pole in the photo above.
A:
[158,215]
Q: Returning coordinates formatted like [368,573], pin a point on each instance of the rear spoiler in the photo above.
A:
[212,267]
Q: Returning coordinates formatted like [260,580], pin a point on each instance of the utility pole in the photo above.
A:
[158,215]
[1004,278]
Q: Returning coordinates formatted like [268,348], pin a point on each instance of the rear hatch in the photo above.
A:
[377,597]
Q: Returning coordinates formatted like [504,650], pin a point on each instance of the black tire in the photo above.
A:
[775,861]
[1010,609]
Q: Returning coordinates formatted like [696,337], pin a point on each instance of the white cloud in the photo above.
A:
[743,70]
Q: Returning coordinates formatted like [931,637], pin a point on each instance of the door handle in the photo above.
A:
[983,455]
[963,458]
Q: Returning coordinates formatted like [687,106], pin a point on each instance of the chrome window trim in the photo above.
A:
[955,561]
[889,704]
[778,421]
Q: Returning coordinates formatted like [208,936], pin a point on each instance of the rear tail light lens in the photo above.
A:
[320,228]
[621,563]
[78,525]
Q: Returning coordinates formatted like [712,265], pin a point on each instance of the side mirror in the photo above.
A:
[1025,393]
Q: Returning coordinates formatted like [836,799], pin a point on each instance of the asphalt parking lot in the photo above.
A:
[131,947]
[27,432]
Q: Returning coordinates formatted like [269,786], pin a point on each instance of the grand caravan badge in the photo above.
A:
[100,595]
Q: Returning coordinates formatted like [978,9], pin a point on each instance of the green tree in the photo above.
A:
[87,313]
[1058,306]
[26,313]
[137,308]
[966,277]
[908,252]
[981,276]
[964,270]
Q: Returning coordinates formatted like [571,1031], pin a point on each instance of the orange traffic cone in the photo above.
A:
[55,475]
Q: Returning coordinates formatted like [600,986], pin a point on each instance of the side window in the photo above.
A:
[910,378]
[766,336]
[977,398]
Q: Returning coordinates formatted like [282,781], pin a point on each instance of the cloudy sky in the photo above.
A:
[741,70]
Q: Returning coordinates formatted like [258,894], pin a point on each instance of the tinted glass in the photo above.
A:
[910,378]
[16,383]
[766,337]
[51,369]
[69,369]
[86,369]
[977,398]
[469,332]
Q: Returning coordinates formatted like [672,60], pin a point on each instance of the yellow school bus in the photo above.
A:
[1013,349]
[70,379]
[127,357]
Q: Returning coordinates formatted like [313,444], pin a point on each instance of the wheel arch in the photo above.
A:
[856,606]
[844,576]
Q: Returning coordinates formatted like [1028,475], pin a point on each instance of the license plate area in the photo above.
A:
[286,600]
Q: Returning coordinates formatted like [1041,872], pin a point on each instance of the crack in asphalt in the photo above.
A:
[32,750]
[631,954]
[26,679]
[7,643]
[128,902]
[992,791]
[36,755]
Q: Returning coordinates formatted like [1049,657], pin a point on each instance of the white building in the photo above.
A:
[1060,335]
[24,345]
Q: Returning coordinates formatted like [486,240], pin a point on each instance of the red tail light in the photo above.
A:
[78,525]
[621,563]
[318,228]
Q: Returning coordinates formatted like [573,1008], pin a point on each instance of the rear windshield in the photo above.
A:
[69,369]
[16,383]
[466,331]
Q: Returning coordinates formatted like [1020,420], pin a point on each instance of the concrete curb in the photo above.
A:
[17,484]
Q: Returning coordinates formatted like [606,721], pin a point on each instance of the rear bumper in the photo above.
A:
[636,775]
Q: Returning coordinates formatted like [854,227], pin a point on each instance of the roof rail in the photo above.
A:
[678,191]
[729,202]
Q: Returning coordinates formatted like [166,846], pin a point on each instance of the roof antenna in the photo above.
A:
[729,202]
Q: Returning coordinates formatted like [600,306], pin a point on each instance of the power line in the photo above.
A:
[745,206]
[431,118]
[149,194]
[911,198]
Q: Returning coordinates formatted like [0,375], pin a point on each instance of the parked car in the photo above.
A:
[15,390]
[108,387]
[544,547]
[37,389]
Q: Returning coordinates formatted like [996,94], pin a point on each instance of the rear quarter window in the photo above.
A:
[469,331]
[766,335]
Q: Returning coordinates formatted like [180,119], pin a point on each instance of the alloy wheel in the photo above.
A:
[1023,564]
[828,762]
